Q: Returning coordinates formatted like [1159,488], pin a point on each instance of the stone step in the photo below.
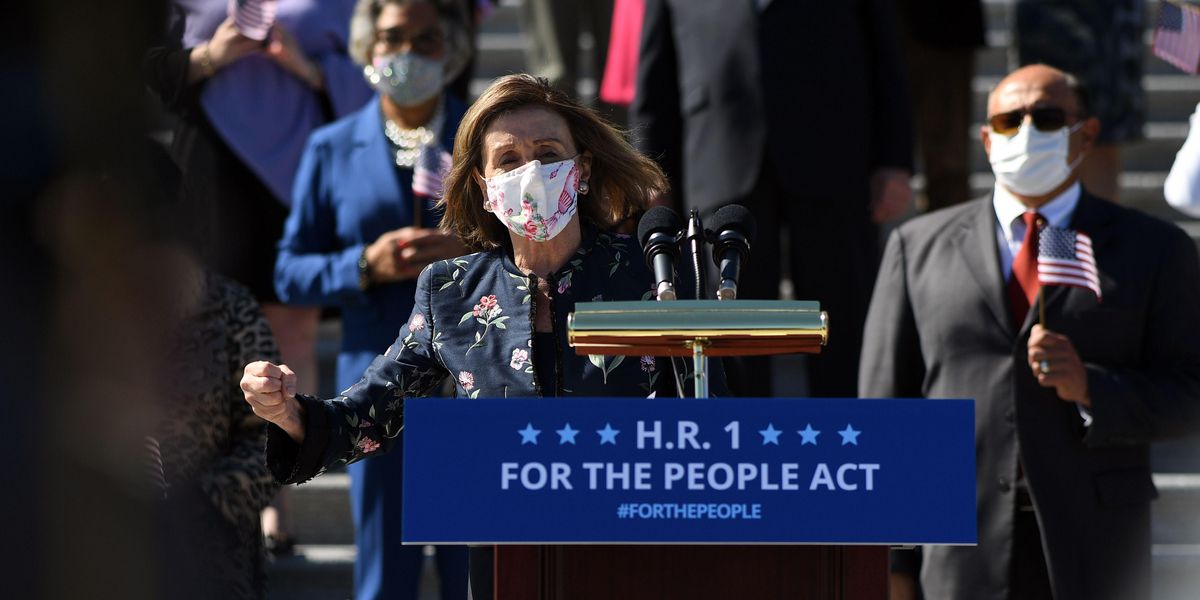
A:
[320,510]
[1141,190]
[1176,513]
[1175,571]
[1171,95]
[315,572]
[993,59]
[1180,455]
[326,571]
[997,13]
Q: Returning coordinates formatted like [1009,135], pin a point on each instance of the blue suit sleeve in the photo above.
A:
[312,267]
[366,418]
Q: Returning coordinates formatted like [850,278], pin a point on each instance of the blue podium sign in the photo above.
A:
[748,470]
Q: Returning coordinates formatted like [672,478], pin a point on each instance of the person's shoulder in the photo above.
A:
[460,268]
[339,132]
[232,297]
[1124,216]
[227,290]
[1148,231]
[943,221]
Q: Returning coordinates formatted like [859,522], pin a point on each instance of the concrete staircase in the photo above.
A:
[320,512]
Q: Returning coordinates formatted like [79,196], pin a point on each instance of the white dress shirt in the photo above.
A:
[1010,226]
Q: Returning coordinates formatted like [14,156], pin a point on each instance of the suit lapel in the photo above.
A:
[977,244]
[374,154]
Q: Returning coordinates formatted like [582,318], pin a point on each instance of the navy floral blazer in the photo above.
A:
[473,321]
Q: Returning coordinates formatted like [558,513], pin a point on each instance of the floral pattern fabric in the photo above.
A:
[536,201]
[473,322]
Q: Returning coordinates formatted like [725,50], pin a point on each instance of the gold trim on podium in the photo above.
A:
[676,328]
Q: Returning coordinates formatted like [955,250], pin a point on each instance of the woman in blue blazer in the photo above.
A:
[362,228]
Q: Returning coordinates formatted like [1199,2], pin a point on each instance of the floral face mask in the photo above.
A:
[535,200]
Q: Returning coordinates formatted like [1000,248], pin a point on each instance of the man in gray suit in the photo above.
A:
[1065,407]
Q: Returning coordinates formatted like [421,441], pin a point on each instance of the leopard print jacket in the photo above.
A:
[212,443]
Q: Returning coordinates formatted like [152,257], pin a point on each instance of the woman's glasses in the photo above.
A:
[426,43]
[1044,119]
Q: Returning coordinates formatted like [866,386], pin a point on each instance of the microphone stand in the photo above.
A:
[696,238]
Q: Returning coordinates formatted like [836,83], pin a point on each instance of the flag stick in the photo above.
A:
[1042,305]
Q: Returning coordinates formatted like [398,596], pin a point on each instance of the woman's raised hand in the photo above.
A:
[271,392]
[282,47]
[228,45]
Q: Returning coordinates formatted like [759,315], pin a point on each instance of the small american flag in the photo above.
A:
[1065,258]
[253,18]
[1177,36]
[431,168]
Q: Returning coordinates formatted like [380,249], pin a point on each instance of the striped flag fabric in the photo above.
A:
[1065,258]
[1177,35]
[431,168]
[253,18]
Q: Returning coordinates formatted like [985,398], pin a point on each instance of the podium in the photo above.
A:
[700,497]
[696,328]
[657,572]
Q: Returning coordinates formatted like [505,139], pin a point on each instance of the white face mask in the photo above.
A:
[1032,162]
[535,201]
[407,78]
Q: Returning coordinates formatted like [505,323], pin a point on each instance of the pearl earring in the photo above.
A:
[584,188]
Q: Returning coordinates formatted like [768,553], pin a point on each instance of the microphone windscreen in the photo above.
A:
[658,219]
[736,217]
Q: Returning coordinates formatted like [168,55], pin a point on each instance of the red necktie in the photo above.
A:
[1023,285]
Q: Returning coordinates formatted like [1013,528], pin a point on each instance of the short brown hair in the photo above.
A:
[454,25]
[622,181]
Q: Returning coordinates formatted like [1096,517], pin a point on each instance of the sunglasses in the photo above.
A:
[1044,119]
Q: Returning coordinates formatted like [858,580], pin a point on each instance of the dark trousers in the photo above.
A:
[1029,578]
[940,78]
[831,257]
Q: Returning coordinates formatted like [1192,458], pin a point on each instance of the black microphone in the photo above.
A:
[658,231]
[733,227]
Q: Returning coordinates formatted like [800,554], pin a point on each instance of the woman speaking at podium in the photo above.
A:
[537,184]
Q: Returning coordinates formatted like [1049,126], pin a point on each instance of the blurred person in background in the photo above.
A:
[940,39]
[1182,187]
[1072,382]
[214,473]
[363,226]
[619,86]
[800,112]
[1101,43]
[79,305]
[552,29]
[245,108]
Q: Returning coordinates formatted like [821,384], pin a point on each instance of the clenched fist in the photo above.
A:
[271,391]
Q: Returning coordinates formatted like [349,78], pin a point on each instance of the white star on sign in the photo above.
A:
[566,435]
[849,435]
[608,435]
[529,434]
[770,434]
[808,435]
